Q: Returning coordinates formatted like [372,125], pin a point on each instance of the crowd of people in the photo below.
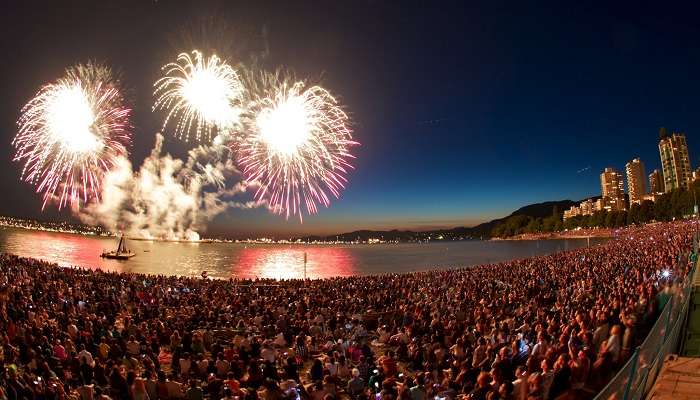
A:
[542,328]
[573,233]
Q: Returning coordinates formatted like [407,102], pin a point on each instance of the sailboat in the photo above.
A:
[121,253]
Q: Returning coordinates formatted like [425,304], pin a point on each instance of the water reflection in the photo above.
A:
[288,262]
[224,260]
[61,248]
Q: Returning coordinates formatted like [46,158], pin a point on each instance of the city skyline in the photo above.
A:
[675,175]
[460,123]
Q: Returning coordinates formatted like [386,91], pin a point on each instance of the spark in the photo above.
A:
[200,94]
[211,174]
[296,145]
[71,133]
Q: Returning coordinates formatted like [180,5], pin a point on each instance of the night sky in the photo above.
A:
[465,111]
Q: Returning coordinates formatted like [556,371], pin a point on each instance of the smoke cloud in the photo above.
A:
[168,198]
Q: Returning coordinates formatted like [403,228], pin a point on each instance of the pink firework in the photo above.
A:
[296,145]
[71,133]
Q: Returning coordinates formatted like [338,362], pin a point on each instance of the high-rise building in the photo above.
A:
[656,182]
[572,212]
[636,180]
[613,191]
[599,205]
[586,207]
[674,160]
[696,174]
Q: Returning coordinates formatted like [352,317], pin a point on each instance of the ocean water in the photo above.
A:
[225,260]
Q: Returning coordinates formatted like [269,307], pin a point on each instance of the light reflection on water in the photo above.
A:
[288,262]
[225,260]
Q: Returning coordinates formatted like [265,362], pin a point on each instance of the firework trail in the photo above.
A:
[199,93]
[71,134]
[295,144]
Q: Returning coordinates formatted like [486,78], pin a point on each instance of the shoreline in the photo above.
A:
[601,234]
[522,237]
[558,237]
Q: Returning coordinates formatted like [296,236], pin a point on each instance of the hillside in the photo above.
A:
[483,230]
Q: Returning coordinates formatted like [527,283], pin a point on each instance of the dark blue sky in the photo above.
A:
[465,111]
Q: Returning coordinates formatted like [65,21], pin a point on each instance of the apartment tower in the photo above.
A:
[675,163]
[612,189]
[636,181]
[656,182]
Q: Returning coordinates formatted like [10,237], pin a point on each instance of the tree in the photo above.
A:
[497,230]
[646,211]
[573,222]
[534,226]
[598,219]
[514,225]
[586,221]
[609,220]
[695,193]
[662,208]
[551,223]
[633,214]
[681,203]
[620,218]
[558,225]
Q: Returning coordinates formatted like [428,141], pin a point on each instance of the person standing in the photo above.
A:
[195,392]
[356,384]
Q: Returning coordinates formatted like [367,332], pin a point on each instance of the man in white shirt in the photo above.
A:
[541,347]
[268,353]
[85,356]
[520,384]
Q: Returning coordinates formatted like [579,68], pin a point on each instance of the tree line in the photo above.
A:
[672,205]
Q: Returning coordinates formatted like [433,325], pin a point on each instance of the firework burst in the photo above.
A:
[200,94]
[296,145]
[71,133]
